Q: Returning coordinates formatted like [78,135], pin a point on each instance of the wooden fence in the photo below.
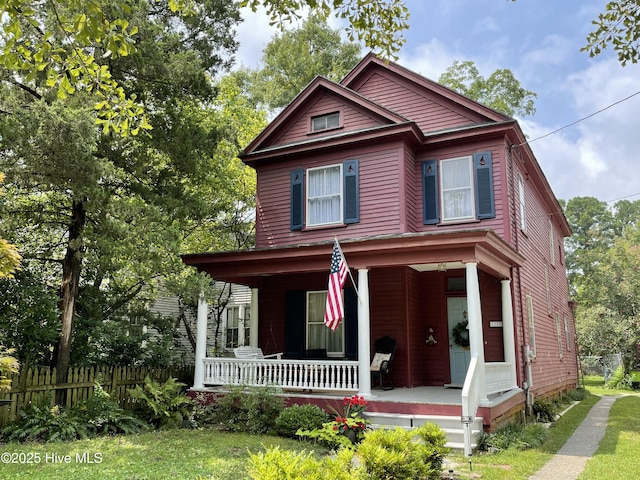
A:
[31,383]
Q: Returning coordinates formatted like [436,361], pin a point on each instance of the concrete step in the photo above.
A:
[451,425]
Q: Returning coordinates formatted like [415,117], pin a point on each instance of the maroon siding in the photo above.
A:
[379,193]
[497,224]
[491,297]
[431,112]
[549,367]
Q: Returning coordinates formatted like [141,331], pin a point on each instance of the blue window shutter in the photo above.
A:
[295,323]
[485,204]
[430,208]
[351,194]
[297,199]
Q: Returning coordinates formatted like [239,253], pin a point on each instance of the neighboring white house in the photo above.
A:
[235,327]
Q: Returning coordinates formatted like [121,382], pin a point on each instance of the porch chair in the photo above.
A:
[247,352]
[384,349]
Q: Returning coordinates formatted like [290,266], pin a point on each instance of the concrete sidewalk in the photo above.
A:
[570,460]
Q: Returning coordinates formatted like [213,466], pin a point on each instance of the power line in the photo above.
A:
[579,120]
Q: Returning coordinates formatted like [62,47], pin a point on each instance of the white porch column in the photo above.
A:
[476,338]
[364,335]
[201,342]
[253,327]
[508,337]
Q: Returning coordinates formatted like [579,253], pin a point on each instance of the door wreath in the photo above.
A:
[461,334]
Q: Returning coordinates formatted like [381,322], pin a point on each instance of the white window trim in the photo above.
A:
[336,354]
[441,176]
[559,333]
[552,246]
[522,204]
[242,324]
[567,333]
[340,220]
[326,118]
[532,326]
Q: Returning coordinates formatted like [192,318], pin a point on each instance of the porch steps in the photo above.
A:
[450,424]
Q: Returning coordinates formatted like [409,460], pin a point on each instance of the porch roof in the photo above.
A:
[420,251]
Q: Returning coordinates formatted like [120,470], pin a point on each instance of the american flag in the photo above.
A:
[334,310]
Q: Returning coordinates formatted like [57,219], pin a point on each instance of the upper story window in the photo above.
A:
[523,212]
[325,122]
[327,195]
[458,189]
[324,195]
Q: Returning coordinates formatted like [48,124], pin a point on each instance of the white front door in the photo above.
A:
[459,357]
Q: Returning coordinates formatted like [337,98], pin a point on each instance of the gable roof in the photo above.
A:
[372,62]
[307,96]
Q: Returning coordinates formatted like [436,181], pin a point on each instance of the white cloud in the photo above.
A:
[598,156]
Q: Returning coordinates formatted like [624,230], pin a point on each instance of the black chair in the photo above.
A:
[384,350]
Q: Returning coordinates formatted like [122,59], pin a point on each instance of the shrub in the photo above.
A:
[514,436]
[98,415]
[403,454]
[248,410]
[543,411]
[105,416]
[382,455]
[41,422]
[619,380]
[347,427]
[8,366]
[162,404]
[306,417]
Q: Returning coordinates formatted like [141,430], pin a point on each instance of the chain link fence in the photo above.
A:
[601,366]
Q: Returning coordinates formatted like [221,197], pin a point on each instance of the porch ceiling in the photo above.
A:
[421,251]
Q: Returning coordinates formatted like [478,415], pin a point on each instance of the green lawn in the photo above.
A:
[209,454]
[617,456]
[170,454]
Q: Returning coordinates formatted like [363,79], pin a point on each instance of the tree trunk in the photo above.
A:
[71,267]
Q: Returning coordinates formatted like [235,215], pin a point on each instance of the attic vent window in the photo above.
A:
[325,122]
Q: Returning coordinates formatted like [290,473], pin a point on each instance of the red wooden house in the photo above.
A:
[450,230]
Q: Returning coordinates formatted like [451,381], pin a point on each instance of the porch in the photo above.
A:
[411,407]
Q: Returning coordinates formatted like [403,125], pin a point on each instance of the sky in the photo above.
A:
[540,42]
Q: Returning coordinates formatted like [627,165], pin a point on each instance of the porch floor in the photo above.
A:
[434,400]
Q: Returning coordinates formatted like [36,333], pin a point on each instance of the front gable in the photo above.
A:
[295,125]
[432,106]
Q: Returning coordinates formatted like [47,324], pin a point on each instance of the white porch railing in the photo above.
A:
[470,402]
[498,377]
[327,375]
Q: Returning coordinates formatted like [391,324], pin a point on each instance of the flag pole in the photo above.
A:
[353,282]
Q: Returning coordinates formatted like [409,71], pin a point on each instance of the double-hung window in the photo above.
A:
[319,336]
[237,323]
[456,184]
[324,195]
[458,189]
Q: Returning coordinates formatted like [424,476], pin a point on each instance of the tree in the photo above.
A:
[500,91]
[9,256]
[603,260]
[105,212]
[69,46]
[618,27]
[292,59]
